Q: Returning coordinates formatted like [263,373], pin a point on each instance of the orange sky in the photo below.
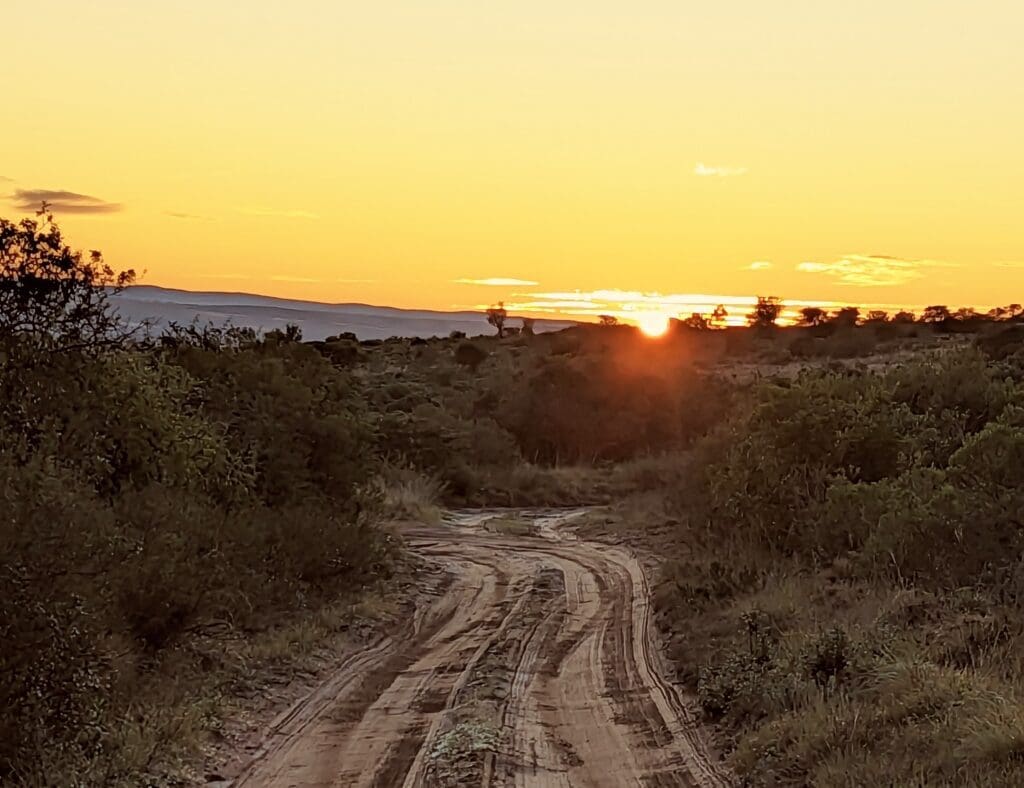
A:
[391,152]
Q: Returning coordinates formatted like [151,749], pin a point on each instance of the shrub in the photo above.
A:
[470,354]
[151,490]
[884,503]
[411,494]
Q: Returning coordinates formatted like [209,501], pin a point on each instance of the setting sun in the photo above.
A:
[654,324]
[431,126]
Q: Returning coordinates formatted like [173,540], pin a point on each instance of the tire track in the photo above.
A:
[536,666]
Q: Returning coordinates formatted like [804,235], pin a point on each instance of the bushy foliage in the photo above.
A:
[51,294]
[915,467]
[489,418]
[881,513]
[766,312]
[151,490]
[592,409]
[470,354]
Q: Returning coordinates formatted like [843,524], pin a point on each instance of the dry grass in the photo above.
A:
[411,495]
[528,485]
[932,693]
[244,675]
[182,705]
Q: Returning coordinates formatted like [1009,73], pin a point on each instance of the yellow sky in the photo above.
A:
[868,151]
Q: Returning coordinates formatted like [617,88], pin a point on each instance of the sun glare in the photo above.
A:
[653,324]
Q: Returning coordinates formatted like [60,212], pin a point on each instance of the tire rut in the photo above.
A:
[535,665]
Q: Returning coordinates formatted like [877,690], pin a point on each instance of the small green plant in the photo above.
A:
[827,658]
[464,739]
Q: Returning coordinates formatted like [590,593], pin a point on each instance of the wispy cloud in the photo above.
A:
[714,171]
[276,212]
[621,301]
[302,279]
[872,270]
[61,201]
[1009,264]
[760,265]
[498,281]
[225,276]
[6,179]
[188,216]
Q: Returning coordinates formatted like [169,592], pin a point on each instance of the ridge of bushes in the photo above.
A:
[844,592]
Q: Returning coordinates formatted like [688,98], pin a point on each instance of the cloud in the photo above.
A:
[709,171]
[5,179]
[284,214]
[188,216]
[760,265]
[302,279]
[624,301]
[1009,264]
[61,201]
[876,270]
[498,281]
[600,299]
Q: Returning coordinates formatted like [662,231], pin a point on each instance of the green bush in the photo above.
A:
[892,462]
[151,490]
[887,503]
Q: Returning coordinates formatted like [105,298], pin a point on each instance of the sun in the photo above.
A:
[653,324]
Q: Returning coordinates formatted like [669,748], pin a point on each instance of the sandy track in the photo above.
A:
[534,665]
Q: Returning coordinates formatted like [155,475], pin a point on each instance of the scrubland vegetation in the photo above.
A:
[838,507]
[846,589]
[183,511]
[170,507]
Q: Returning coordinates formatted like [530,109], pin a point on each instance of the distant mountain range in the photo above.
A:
[317,320]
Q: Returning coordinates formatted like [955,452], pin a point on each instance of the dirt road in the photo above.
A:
[533,664]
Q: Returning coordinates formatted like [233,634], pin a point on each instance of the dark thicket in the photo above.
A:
[153,490]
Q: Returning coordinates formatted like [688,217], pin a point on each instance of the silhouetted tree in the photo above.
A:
[1008,312]
[496,316]
[766,312]
[877,316]
[527,329]
[812,316]
[697,321]
[52,293]
[608,320]
[719,315]
[847,316]
[904,316]
[937,313]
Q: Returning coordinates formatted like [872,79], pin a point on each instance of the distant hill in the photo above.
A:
[317,320]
